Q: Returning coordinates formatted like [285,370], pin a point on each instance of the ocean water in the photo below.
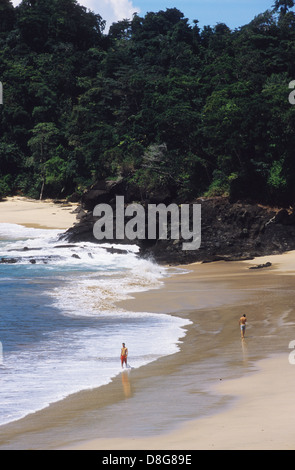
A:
[60,328]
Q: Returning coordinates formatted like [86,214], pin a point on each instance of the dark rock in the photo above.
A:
[102,192]
[118,251]
[26,249]
[81,214]
[261,266]
[43,259]
[75,197]
[281,217]
[230,230]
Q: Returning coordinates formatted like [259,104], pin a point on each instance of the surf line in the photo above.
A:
[185,222]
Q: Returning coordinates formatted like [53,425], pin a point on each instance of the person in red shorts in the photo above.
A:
[124,354]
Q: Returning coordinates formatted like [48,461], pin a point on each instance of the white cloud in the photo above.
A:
[110,10]
[123,8]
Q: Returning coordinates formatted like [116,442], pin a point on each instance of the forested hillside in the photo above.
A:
[156,100]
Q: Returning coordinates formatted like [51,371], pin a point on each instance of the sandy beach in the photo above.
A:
[216,392]
[254,381]
[34,213]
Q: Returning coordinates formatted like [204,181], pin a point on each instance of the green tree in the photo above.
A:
[44,140]
[7,16]
[44,23]
[283,5]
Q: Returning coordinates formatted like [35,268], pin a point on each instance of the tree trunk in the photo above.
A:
[42,188]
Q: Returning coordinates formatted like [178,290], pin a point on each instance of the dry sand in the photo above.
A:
[34,213]
[217,392]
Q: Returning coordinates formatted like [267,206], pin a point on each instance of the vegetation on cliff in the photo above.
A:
[158,101]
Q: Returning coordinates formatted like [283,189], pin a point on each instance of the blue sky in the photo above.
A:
[234,13]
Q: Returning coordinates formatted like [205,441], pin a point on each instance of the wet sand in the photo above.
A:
[217,392]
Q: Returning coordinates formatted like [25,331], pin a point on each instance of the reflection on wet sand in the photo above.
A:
[245,351]
[126,383]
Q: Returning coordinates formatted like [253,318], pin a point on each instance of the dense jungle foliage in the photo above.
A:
[156,100]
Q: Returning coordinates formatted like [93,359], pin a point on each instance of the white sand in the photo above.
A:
[29,212]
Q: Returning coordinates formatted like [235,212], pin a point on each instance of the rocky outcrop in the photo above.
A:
[229,230]
[232,231]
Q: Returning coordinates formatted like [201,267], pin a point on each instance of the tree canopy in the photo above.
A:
[157,100]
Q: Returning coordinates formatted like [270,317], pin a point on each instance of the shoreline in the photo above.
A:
[253,401]
[264,379]
[251,377]
[145,405]
[247,420]
[217,392]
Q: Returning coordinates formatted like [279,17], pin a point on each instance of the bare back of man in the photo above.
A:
[242,323]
